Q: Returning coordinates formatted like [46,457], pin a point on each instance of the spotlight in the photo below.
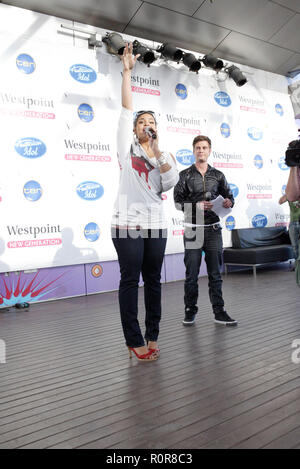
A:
[237,76]
[191,62]
[115,43]
[170,52]
[146,55]
[213,62]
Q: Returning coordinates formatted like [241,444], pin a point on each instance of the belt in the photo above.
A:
[190,225]
[126,227]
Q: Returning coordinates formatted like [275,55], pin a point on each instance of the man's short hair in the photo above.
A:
[201,138]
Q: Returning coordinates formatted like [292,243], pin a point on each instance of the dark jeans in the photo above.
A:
[212,247]
[141,251]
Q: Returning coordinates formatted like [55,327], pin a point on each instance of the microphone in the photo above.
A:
[150,132]
[207,196]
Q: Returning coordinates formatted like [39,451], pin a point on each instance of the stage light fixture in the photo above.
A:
[213,62]
[170,52]
[115,43]
[191,62]
[237,76]
[146,55]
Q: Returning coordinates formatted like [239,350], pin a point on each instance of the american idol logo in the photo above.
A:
[30,147]
[181,91]
[259,221]
[92,232]
[255,133]
[222,98]
[258,162]
[25,63]
[185,157]
[85,112]
[225,130]
[90,190]
[32,191]
[83,73]
[279,109]
[234,189]
[230,223]
[281,164]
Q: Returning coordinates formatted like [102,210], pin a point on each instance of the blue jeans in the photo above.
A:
[140,251]
[212,247]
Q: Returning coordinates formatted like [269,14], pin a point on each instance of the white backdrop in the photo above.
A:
[59,108]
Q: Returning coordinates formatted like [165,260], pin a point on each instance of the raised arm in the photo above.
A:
[282,199]
[128,63]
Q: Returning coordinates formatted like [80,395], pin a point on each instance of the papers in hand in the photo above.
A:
[218,207]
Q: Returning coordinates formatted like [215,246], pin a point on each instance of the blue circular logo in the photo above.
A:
[181,91]
[259,220]
[225,130]
[30,147]
[230,223]
[90,190]
[234,189]
[185,157]
[258,161]
[222,98]
[92,232]
[283,189]
[255,133]
[85,112]
[279,109]
[282,165]
[32,191]
[25,63]
[83,73]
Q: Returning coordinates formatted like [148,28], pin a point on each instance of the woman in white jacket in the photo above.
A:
[139,226]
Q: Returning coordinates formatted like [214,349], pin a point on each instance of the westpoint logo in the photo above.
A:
[2,352]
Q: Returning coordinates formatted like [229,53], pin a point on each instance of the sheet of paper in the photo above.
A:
[218,207]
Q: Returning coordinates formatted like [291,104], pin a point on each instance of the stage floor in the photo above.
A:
[68,381]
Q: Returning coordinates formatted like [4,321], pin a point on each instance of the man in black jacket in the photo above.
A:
[197,186]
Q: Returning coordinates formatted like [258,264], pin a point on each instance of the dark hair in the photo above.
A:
[201,138]
[140,113]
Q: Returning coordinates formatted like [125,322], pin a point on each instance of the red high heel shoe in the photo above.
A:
[156,350]
[146,357]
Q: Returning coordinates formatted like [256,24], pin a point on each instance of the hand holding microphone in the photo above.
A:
[150,132]
[205,204]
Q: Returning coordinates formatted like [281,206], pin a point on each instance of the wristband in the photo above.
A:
[162,160]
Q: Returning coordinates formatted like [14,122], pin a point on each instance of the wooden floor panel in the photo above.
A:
[69,383]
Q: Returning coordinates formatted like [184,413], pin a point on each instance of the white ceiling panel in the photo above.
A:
[241,30]
[292,4]
[289,35]
[253,52]
[161,25]
[258,18]
[187,7]
[109,14]
[292,64]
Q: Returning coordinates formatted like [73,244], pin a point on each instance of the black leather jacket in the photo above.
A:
[192,187]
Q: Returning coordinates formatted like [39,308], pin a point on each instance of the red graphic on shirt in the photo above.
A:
[141,167]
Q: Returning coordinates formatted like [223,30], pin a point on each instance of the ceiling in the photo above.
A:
[264,34]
